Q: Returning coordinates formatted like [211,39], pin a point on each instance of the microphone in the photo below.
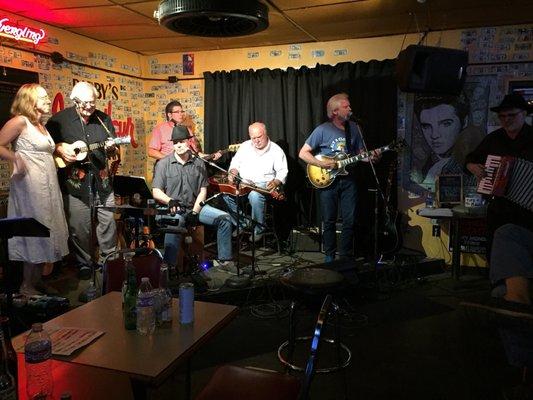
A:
[78,102]
[203,203]
[352,117]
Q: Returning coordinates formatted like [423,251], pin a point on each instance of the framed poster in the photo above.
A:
[449,189]
[188,64]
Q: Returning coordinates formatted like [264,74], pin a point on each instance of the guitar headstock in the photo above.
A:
[122,140]
[233,147]
[398,144]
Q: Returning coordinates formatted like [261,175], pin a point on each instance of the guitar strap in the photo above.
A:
[348,134]
[113,162]
[105,127]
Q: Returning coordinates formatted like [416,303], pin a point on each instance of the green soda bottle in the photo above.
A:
[130,297]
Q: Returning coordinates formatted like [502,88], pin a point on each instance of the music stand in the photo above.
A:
[17,226]
[130,185]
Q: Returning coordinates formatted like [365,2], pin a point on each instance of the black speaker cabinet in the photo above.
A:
[423,69]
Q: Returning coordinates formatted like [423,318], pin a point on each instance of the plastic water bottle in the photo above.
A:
[91,292]
[164,299]
[37,354]
[145,308]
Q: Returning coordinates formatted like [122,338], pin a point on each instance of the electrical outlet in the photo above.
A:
[436,231]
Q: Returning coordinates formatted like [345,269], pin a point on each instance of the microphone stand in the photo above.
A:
[376,192]
[92,209]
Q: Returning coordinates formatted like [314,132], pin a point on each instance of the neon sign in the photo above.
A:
[22,33]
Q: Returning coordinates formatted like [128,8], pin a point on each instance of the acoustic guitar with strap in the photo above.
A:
[324,177]
[81,149]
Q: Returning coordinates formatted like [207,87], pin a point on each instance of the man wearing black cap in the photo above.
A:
[180,181]
[514,138]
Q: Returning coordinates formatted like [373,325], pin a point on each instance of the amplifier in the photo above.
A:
[307,239]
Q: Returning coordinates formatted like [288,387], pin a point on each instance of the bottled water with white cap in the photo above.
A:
[145,308]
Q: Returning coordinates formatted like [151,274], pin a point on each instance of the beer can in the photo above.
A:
[186,297]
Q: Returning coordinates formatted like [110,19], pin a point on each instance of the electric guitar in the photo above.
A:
[81,149]
[323,177]
[232,148]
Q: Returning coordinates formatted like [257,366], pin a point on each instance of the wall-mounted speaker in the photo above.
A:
[423,69]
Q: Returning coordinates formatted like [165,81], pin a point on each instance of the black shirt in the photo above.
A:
[181,182]
[500,210]
[66,126]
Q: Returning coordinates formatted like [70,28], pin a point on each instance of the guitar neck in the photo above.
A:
[209,157]
[96,145]
[359,157]
[232,148]
[83,149]
[275,193]
[257,189]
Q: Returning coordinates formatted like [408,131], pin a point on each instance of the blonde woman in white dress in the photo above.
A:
[34,190]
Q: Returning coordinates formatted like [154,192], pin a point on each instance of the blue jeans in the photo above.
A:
[343,193]
[257,202]
[208,216]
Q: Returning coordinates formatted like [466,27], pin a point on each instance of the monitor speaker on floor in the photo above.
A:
[423,69]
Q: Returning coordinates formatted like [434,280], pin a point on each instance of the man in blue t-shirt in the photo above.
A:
[329,139]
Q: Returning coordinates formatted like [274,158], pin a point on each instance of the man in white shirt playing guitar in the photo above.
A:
[262,163]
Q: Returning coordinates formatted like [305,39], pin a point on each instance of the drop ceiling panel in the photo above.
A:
[37,6]
[121,32]
[130,2]
[90,16]
[176,44]
[292,4]
[145,8]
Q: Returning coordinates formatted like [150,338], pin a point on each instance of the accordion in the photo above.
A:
[508,177]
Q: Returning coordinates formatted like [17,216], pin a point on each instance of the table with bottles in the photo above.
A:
[147,360]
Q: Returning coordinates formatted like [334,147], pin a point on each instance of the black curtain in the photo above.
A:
[292,103]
